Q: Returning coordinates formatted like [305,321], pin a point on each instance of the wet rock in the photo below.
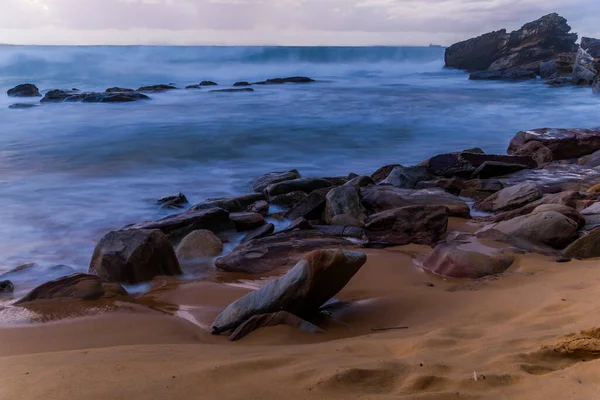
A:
[6,287]
[510,198]
[193,87]
[247,221]
[344,200]
[591,46]
[260,232]
[517,242]
[259,184]
[584,71]
[310,208]
[156,88]
[484,185]
[261,207]
[198,245]
[119,90]
[560,81]
[315,279]
[342,230]
[490,169]
[306,185]
[279,81]
[174,201]
[76,286]
[548,69]
[57,96]
[24,90]
[407,177]
[336,180]
[177,226]
[450,185]
[383,172]
[564,143]
[134,256]
[466,163]
[231,204]
[512,75]
[298,224]
[231,90]
[591,160]
[238,84]
[108,97]
[536,150]
[587,246]
[413,224]
[549,228]
[462,260]
[568,212]
[273,319]
[208,83]
[277,251]
[380,198]
[288,200]
[22,106]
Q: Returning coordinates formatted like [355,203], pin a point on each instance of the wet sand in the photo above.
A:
[463,339]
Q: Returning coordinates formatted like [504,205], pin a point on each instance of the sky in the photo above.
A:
[277,22]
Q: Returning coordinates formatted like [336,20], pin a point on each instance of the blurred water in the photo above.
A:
[71,172]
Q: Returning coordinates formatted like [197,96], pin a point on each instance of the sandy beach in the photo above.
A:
[495,338]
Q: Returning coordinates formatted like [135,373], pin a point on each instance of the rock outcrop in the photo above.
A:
[591,46]
[564,143]
[584,70]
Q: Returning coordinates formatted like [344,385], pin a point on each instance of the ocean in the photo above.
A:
[71,172]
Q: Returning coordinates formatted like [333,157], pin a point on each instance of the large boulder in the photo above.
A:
[134,256]
[277,251]
[464,260]
[587,246]
[549,228]
[24,90]
[537,151]
[378,198]
[464,164]
[568,212]
[510,198]
[260,183]
[231,204]
[412,224]
[407,177]
[537,41]
[200,244]
[77,286]
[306,185]
[344,200]
[564,143]
[584,70]
[314,280]
[177,226]
[591,46]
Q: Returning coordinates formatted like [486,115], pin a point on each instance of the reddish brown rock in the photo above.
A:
[536,150]
[247,221]
[564,143]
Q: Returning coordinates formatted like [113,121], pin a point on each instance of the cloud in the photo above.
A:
[270,21]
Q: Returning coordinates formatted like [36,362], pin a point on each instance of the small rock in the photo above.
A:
[279,81]
[119,90]
[22,106]
[231,204]
[156,88]
[231,90]
[24,90]
[344,200]
[247,221]
[208,83]
[259,184]
[6,287]
[174,201]
[237,84]
[193,87]
[407,177]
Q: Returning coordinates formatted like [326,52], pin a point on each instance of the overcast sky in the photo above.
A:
[278,22]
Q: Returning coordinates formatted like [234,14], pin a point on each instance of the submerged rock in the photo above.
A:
[57,96]
[231,90]
[314,280]
[24,90]
[174,201]
[238,84]
[22,106]
[564,143]
[208,83]
[156,88]
[119,90]
[108,97]
[76,286]
[193,87]
[279,81]
[134,256]
[259,184]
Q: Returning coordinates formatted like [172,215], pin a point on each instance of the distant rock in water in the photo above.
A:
[174,201]
[208,83]
[156,88]
[279,81]
[69,96]
[22,106]
[241,84]
[537,41]
[6,287]
[119,90]
[193,87]
[231,90]
[507,75]
[24,90]
[57,96]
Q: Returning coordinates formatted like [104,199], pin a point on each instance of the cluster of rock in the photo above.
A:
[125,95]
[545,47]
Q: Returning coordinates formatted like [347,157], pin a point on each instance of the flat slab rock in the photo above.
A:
[564,143]
[277,251]
[465,164]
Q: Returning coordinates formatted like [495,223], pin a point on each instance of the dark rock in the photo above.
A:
[208,83]
[177,226]
[413,224]
[591,46]
[344,200]
[306,185]
[476,150]
[383,172]
[475,54]
[484,185]
[261,207]
[591,215]
[347,231]
[310,208]
[260,232]
[231,90]
[548,69]
[459,260]
[57,96]
[279,81]
[174,201]
[259,184]
[119,90]
[273,319]
[247,221]
[288,200]
[584,70]
[77,286]
[587,246]
[156,88]
[450,185]
[314,280]
[24,90]
[560,81]
[490,169]
[109,97]
[134,256]
[407,177]
[360,181]
[298,224]
[6,287]
[465,164]
[536,150]
[22,106]
[193,87]
[277,251]
[336,180]
[237,84]
[231,204]
[510,198]
[564,143]
[513,75]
